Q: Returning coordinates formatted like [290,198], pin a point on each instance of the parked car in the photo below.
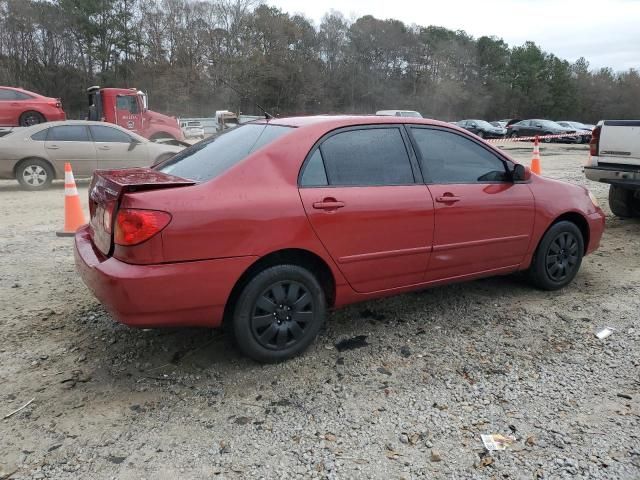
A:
[192,129]
[399,113]
[615,159]
[581,128]
[270,224]
[499,124]
[530,128]
[483,129]
[36,155]
[22,108]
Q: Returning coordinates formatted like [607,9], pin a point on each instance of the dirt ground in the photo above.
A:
[434,371]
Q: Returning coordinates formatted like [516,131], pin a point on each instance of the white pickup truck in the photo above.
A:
[615,159]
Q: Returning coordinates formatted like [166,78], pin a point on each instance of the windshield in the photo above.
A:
[208,159]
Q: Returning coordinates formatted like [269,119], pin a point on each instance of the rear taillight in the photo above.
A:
[594,144]
[136,226]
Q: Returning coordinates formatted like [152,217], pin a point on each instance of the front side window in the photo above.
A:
[208,159]
[367,157]
[127,102]
[108,134]
[451,158]
[68,133]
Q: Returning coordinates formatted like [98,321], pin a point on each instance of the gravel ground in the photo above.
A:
[428,373]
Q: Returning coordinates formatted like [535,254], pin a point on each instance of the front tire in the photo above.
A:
[34,174]
[558,257]
[279,313]
[622,202]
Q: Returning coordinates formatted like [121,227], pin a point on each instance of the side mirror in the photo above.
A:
[132,144]
[520,173]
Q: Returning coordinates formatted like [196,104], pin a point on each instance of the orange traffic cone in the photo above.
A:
[535,161]
[73,215]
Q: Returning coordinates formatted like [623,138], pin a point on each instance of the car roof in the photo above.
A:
[337,121]
[66,123]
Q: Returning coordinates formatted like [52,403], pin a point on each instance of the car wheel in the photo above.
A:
[514,135]
[547,140]
[279,313]
[34,174]
[28,119]
[481,134]
[558,257]
[622,202]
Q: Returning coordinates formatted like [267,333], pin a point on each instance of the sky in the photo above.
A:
[605,32]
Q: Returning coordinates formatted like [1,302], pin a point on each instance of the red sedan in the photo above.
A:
[23,108]
[268,225]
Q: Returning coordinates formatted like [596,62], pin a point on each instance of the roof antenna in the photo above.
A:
[267,115]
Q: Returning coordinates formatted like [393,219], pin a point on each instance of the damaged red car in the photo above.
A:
[267,226]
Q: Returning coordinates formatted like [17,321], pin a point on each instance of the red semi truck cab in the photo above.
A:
[128,107]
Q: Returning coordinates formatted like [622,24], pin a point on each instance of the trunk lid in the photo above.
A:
[106,192]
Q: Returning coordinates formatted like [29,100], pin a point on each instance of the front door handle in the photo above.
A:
[328,204]
[104,147]
[53,147]
[448,198]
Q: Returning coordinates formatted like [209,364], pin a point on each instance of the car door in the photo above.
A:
[522,128]
[71,143]
[483,220]
[117,149]
[365,199]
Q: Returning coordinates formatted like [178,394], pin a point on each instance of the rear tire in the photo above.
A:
[279,313]
[558,257]
[622,202]
[30,118]
[547,140]
[34,174]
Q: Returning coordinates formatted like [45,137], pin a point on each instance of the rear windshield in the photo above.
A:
[208,159]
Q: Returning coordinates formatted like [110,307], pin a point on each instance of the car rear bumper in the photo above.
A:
[165,295]
[596,222]
[617,175]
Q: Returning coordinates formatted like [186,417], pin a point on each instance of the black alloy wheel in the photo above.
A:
[278,313]
[281,315]
[562,256]
[28,119]
[558,257]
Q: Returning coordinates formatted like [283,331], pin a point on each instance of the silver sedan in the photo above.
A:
[36,155]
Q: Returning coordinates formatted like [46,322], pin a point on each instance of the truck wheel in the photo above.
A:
[34,174]
[279,313]
[621,202]
[558,257]
[28,119]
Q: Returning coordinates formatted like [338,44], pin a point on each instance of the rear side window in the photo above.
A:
[451,158]
[22,96]
[208,159]
[108,134]
[40,136]
[368,157]
[69,133]
[314,173]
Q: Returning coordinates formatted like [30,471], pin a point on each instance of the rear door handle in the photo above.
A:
[53,147]
[328,204]
[448,199]
[104,147]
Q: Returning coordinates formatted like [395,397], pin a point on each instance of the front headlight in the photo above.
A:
[594,200]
